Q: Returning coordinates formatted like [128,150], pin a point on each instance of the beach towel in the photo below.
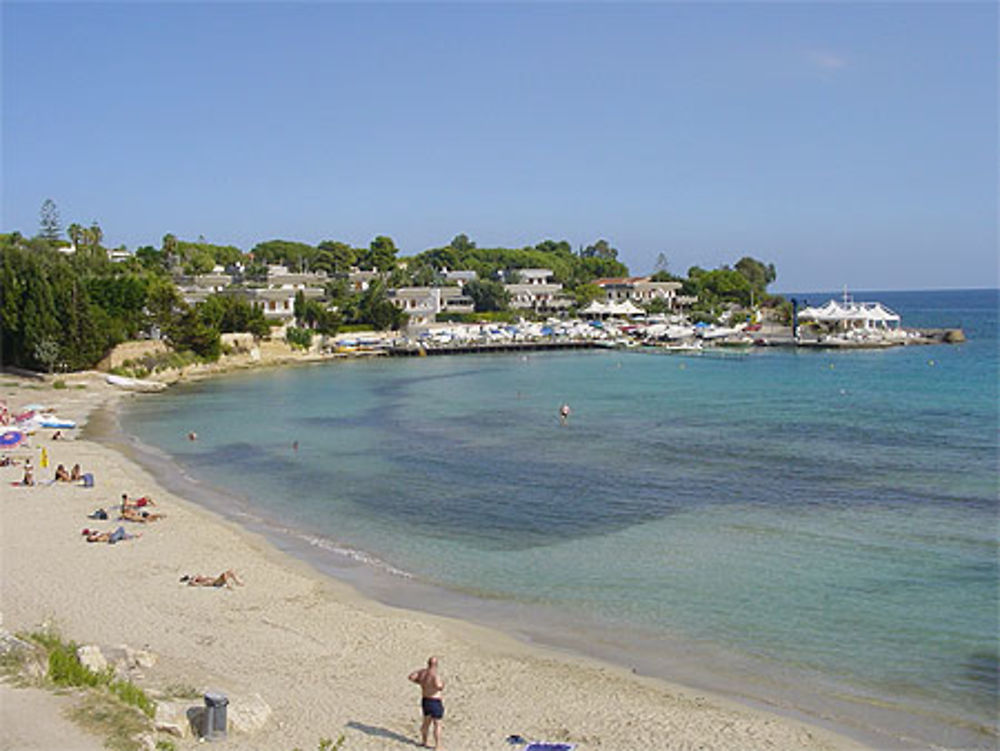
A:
[549,747]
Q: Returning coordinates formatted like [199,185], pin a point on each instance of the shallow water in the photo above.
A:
[812,530]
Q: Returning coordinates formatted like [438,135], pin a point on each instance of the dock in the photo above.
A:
[478,348]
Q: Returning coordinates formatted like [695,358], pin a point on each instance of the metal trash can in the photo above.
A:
[214,721]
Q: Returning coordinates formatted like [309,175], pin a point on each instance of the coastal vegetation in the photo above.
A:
[110,706]
[66,305]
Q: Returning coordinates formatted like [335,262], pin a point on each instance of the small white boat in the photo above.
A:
[134,384]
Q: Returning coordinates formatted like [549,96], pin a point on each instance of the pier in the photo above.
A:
[469,348]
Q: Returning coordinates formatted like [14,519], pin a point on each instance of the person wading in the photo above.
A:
[431,686]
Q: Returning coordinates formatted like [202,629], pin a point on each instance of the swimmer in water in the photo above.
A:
[564,414]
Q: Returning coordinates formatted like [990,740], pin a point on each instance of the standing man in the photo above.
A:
[431,686]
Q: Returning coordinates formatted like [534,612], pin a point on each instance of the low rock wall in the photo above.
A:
[131,351]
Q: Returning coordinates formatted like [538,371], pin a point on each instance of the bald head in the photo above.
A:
[432,661]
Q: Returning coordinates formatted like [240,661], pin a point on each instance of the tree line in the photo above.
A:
[66,311]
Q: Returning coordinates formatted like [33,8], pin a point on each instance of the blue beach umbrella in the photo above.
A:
[11,438]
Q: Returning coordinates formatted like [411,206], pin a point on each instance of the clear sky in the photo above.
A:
[846,143]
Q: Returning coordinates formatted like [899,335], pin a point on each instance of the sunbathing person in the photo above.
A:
[29,476]
[226,579]
[132,514]
[76,474]
[61,474]
[138,502]
[111,538]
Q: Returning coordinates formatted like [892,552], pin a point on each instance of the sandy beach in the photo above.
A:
[324,660]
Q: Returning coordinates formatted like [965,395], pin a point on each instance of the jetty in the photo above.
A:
[469,348]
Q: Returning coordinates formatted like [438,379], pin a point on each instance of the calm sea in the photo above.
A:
[815,532]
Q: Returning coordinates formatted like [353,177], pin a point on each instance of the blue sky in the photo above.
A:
[846,143]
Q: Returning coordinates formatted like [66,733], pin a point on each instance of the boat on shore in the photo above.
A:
[135,384]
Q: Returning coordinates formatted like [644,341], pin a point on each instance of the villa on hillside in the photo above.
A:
[541,298]
[276,297]
[281,277]
[422,304]
[460,277]
[639,290]
[358,280]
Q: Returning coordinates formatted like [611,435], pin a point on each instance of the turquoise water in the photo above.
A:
[812,530]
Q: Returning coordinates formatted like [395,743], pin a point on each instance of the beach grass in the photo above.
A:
[182,691]
[328,744]
[66,670]
[116,709]
[117,723]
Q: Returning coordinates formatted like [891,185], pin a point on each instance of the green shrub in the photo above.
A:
[65,669]
[59,384]
[299,338]
[134,696]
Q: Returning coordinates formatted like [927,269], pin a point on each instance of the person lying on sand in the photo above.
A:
[138,502]
[134,515]
[226,579]
[76,474]
[111,538]
[61,474]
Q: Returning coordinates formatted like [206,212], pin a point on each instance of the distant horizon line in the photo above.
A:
[852,291]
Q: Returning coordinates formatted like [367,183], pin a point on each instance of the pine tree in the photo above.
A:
[51,230]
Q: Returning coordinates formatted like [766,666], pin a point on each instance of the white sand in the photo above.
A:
[325,659]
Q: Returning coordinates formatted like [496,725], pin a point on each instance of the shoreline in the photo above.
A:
[867,719]
[323,657]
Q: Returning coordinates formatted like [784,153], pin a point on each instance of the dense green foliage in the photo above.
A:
[48,320]
[745,285]
[65,311]
[487,295]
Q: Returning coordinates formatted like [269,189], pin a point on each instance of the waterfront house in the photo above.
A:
[538,297]
[639,290]
[422,304]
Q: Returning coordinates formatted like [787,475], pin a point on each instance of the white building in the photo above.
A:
[541,277]
[422,304]
[537,297]
[639,290]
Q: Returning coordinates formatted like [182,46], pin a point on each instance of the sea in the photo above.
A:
[811,532]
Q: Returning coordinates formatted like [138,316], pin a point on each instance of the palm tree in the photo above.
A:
[76,233]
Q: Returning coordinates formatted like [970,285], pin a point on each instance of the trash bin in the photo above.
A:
[214,723]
